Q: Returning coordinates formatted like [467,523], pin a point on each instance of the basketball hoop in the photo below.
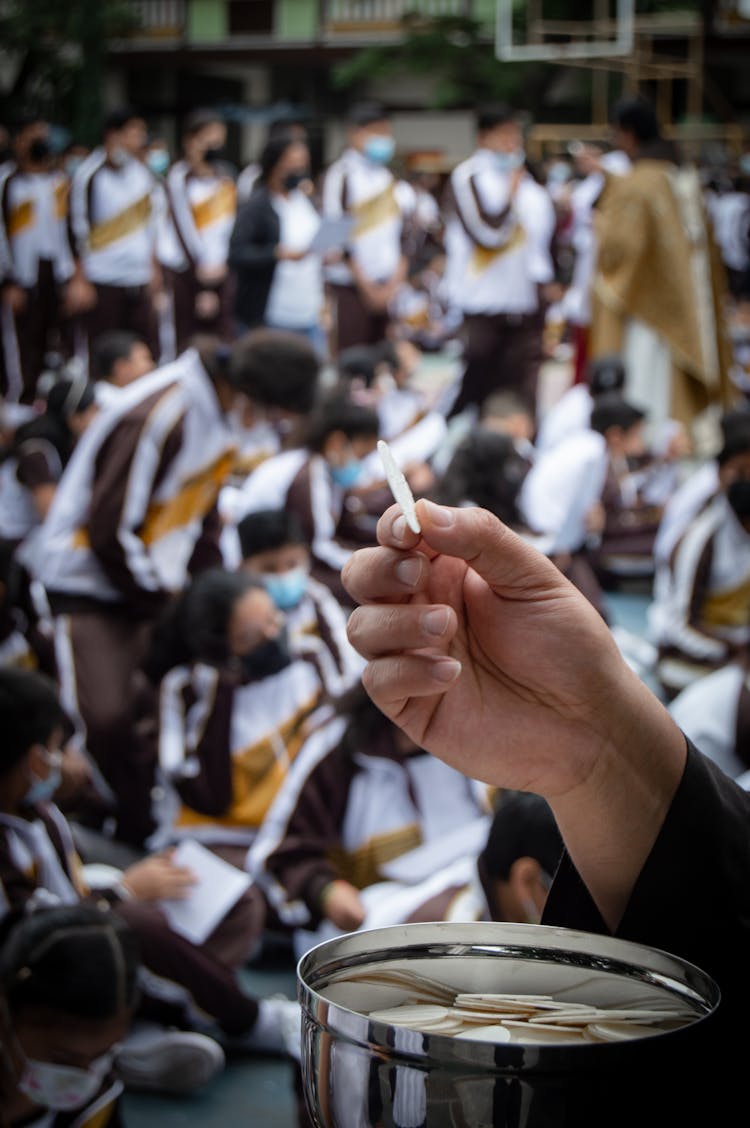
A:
[574,39]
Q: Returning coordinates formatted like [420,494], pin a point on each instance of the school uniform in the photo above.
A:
[699,614]
[35,254]
[115,214]
[688,500]
[346,812]
[132,518]
[317,625]
[40,867]
[35,462]
[301,482]
[102,1111]
[199,222]
[381,207]
[626,545]
[498,254]
[225,747]
[714,712]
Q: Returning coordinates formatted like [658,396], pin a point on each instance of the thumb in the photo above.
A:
[507,563]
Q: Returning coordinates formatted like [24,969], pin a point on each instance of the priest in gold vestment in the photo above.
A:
[658,292]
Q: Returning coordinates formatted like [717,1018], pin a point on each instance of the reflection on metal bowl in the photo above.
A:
[361,1072]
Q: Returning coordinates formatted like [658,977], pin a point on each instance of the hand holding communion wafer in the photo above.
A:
[488,657]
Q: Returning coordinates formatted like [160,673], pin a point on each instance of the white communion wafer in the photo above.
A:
[399,486]
[485,1034]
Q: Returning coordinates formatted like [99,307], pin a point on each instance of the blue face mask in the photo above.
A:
[42,790]
[158,161]
[286,588]
[346,476]
[379,148]
[509,162]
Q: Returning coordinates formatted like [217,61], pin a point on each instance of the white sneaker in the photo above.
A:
[277,1030]
[158,1060]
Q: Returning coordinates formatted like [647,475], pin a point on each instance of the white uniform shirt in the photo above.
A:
[295,300]
[34,225]
[203,211]
[496,269]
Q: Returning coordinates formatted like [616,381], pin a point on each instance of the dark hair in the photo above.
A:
[611,410]
[485,470]
[284,127]
[67,396]
[269,529]
[361,114]
[637,116]
[363,360]
[735,418]
[275,369]
[197,120]
[108,348]
[337,411]
[606,374]
[26,120]
[273,151]
[489,117]
[30,711]
[523,826]
[119,118]
[194,627]
[80,960]
[736,441]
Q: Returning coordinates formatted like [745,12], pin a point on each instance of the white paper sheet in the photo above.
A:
[218,887]
[331,235]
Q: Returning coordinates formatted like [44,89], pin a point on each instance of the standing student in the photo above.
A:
[498,237]
[279,280]
[134,517]
[360,185]
[115,207]
[36,263]
[194,245]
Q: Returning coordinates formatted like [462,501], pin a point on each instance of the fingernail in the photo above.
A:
[409,571]
[398,528]
[446,669]
[439,515]
[435,621]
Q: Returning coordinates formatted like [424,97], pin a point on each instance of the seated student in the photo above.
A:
[518,862]
[486,470]
[317,483]
[236,698]
[41,449]
[361,796]
[274,550]
[117,359]
[699,617]
[714,712]
[68,994]
[572,412]
[39,866]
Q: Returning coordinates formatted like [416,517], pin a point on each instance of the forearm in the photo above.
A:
[611,820]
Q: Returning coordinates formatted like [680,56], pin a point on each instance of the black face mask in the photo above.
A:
[738,496]
[211,156]
[39,150]
[293,180]
[269,658]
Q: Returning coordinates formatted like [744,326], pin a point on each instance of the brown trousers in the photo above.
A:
[353,323]
[184,288]
[124,307]
[29,336]
[503,353]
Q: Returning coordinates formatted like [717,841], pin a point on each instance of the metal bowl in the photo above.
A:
[360,1073]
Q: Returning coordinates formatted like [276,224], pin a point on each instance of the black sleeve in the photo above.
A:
[255,236]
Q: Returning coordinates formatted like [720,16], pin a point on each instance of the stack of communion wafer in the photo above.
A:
[435,1008]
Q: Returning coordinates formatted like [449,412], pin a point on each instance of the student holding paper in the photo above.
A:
[279,279]
[196,988]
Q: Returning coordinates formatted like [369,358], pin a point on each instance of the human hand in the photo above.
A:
[211,275]
[342,905]
[207,304]
[15,298]
[157,878]
[286,254]
[79,295]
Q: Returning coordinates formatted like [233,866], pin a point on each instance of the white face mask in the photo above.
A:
[63,1087]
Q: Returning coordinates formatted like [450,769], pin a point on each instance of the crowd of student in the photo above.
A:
[179,494]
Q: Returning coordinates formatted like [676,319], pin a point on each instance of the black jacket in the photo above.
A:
[252,257]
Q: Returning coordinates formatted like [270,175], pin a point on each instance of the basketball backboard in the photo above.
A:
[604,36]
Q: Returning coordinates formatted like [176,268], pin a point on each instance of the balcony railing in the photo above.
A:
[159,19]
[374,15]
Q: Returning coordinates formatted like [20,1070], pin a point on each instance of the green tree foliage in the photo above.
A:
[54,55]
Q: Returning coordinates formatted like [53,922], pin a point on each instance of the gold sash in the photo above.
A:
[361,867]
[124,223]
[62,192]
[191,503]
[219,205]
[728,608]
[482,258]
[373,212]
[21,217]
